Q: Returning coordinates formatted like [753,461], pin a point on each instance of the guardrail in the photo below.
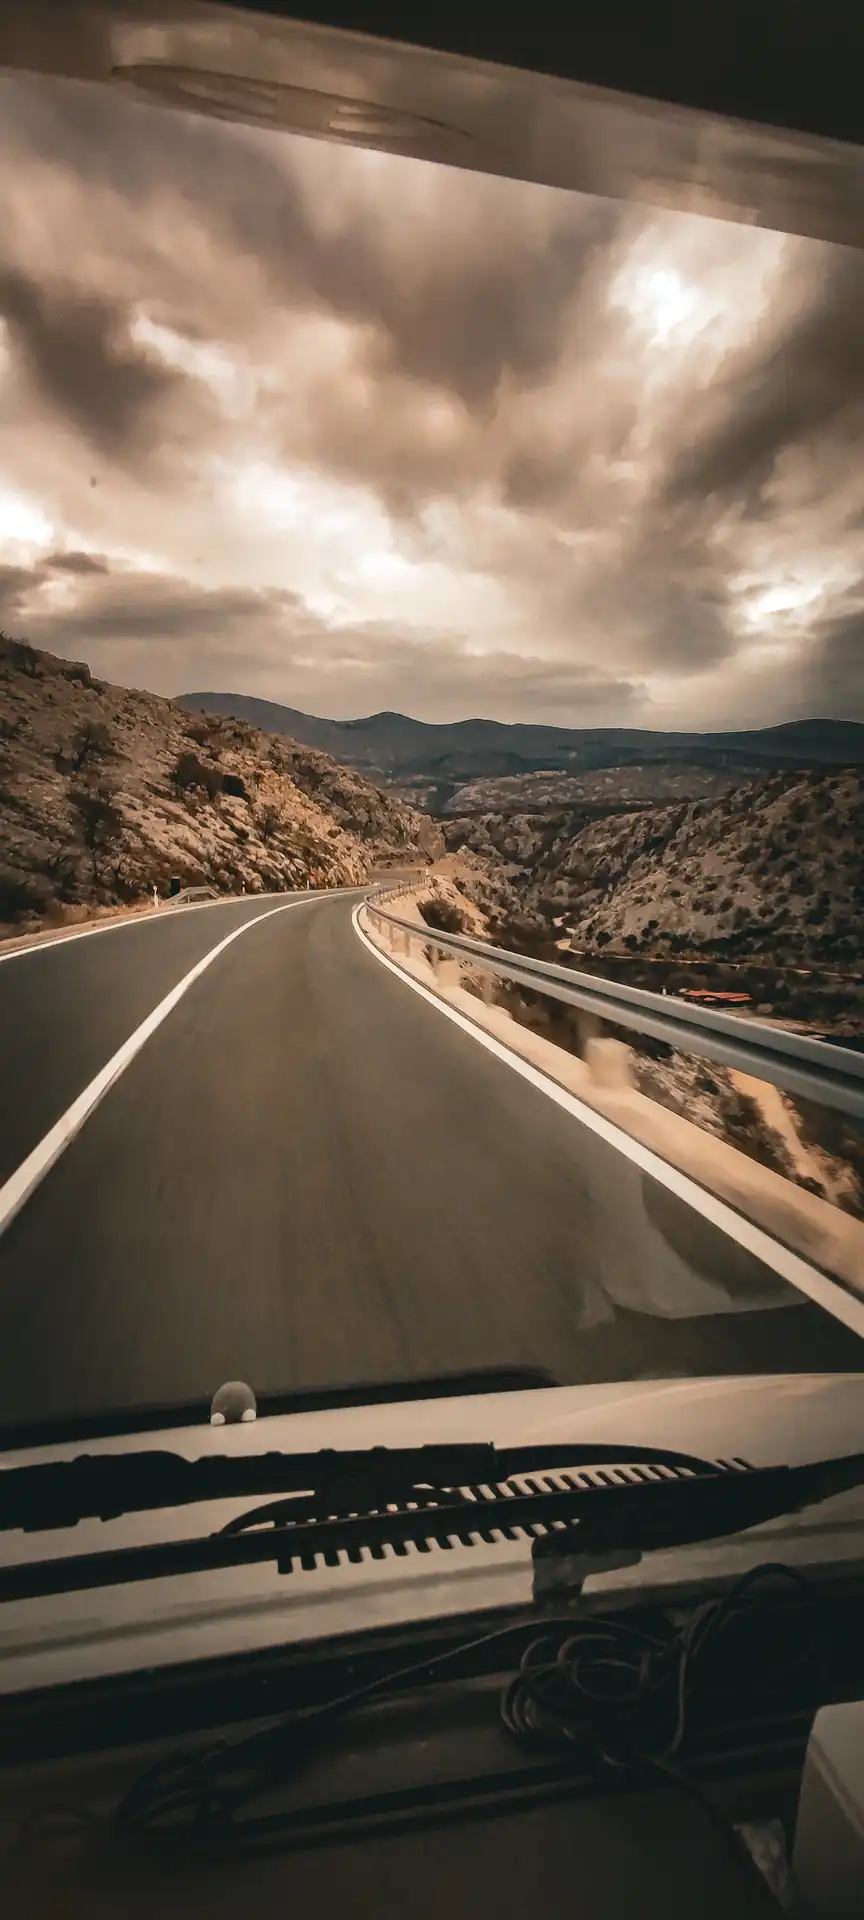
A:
[812,1068]
[188,894]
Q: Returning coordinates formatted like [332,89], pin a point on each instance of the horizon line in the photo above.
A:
[553,726]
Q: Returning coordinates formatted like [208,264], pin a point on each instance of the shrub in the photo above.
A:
[22,656]
[22,893]
[93,741]
[271,820]
[101,819]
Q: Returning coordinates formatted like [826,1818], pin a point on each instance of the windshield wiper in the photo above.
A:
[104,1486]
[702,1501]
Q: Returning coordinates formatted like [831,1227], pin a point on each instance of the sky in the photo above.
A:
[355,432]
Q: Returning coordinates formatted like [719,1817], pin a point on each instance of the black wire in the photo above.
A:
[276,1747]
[627,1691]
[624,1690]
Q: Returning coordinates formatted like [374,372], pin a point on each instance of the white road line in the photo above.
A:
[27,1177]
[135,920]
[790,1266]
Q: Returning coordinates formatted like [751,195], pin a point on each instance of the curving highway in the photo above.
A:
[308,1176]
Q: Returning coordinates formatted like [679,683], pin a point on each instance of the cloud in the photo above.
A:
[460,303]
[809,381]
[668,606]
[186,635]
[126,604]
[15,586]
[84,366]
[513,447]
[76,563]
[834,675]
[137,607]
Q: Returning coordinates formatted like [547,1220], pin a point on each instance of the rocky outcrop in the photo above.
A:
[106,793]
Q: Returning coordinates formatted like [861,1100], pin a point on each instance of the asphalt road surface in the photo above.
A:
[308,1176]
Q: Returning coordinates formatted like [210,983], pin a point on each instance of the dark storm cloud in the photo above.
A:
[671,594]
[131,605]
[462,309]
[835,667]
[16,583]
[808,382]
[76,563]
[531,687]
[83,364]
[471,320]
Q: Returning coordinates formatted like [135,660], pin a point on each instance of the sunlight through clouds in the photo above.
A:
[22,522]
[662,302]
[234,385]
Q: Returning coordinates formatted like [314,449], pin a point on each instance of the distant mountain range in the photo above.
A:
[394,750]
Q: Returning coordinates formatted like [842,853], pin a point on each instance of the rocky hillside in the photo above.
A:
[773,867]
[601,790]
[776,866]
[105,793]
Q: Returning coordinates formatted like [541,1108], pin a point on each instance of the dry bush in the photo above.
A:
[100,817]
[24,657]
[270,821]
[91,743]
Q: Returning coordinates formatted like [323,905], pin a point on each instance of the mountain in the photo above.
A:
[437,759]
[601,790]
[105,793]
[774,867]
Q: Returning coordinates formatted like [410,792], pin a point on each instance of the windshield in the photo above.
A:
[366,521]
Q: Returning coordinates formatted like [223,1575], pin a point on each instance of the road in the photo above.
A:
[309,1176]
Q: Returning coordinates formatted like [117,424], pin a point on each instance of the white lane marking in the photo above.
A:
[135,920]
[23,1182]
[808,1280]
